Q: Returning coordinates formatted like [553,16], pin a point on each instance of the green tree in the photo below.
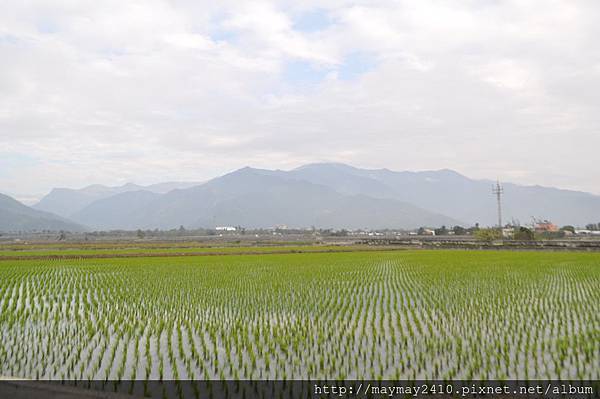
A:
[523,234]
[488,234]
[568,228]
[459,230]
[442,231]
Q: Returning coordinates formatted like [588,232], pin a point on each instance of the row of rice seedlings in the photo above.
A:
[425,315]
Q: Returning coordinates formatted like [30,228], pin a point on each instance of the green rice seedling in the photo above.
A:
[426,314]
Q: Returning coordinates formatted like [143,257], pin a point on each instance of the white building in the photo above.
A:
[585,232]
[508,232]
[225,228]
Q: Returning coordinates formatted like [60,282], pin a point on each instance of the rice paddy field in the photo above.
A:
[74,251]
[357,315]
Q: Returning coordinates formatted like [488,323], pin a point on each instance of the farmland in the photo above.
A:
[395,315]
[133,251]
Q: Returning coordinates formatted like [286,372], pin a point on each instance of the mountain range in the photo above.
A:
[15,216]
[254,198]
[66,201]
[328,195]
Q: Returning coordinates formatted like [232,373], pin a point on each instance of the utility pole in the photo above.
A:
[498,190]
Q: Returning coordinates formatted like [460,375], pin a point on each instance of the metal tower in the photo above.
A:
[498,190]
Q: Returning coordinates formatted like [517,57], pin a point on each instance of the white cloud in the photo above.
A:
[153,90]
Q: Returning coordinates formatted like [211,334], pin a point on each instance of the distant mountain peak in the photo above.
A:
[15,216]
[66,201]
[350,168]
[449,172]
[238,172]
[94,187]
[325,165]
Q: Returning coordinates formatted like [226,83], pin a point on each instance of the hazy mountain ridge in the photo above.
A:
[457,196]
[256,198]
[14,216]
[66,201]
[323,195]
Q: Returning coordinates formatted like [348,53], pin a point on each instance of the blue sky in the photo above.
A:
[305,74]
[313,20]
[356,64]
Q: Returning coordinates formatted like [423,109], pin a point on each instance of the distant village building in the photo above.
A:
[545,227]
[225,228]
[585,232]
[508,232]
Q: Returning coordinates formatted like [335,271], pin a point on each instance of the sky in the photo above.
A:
[147,91]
